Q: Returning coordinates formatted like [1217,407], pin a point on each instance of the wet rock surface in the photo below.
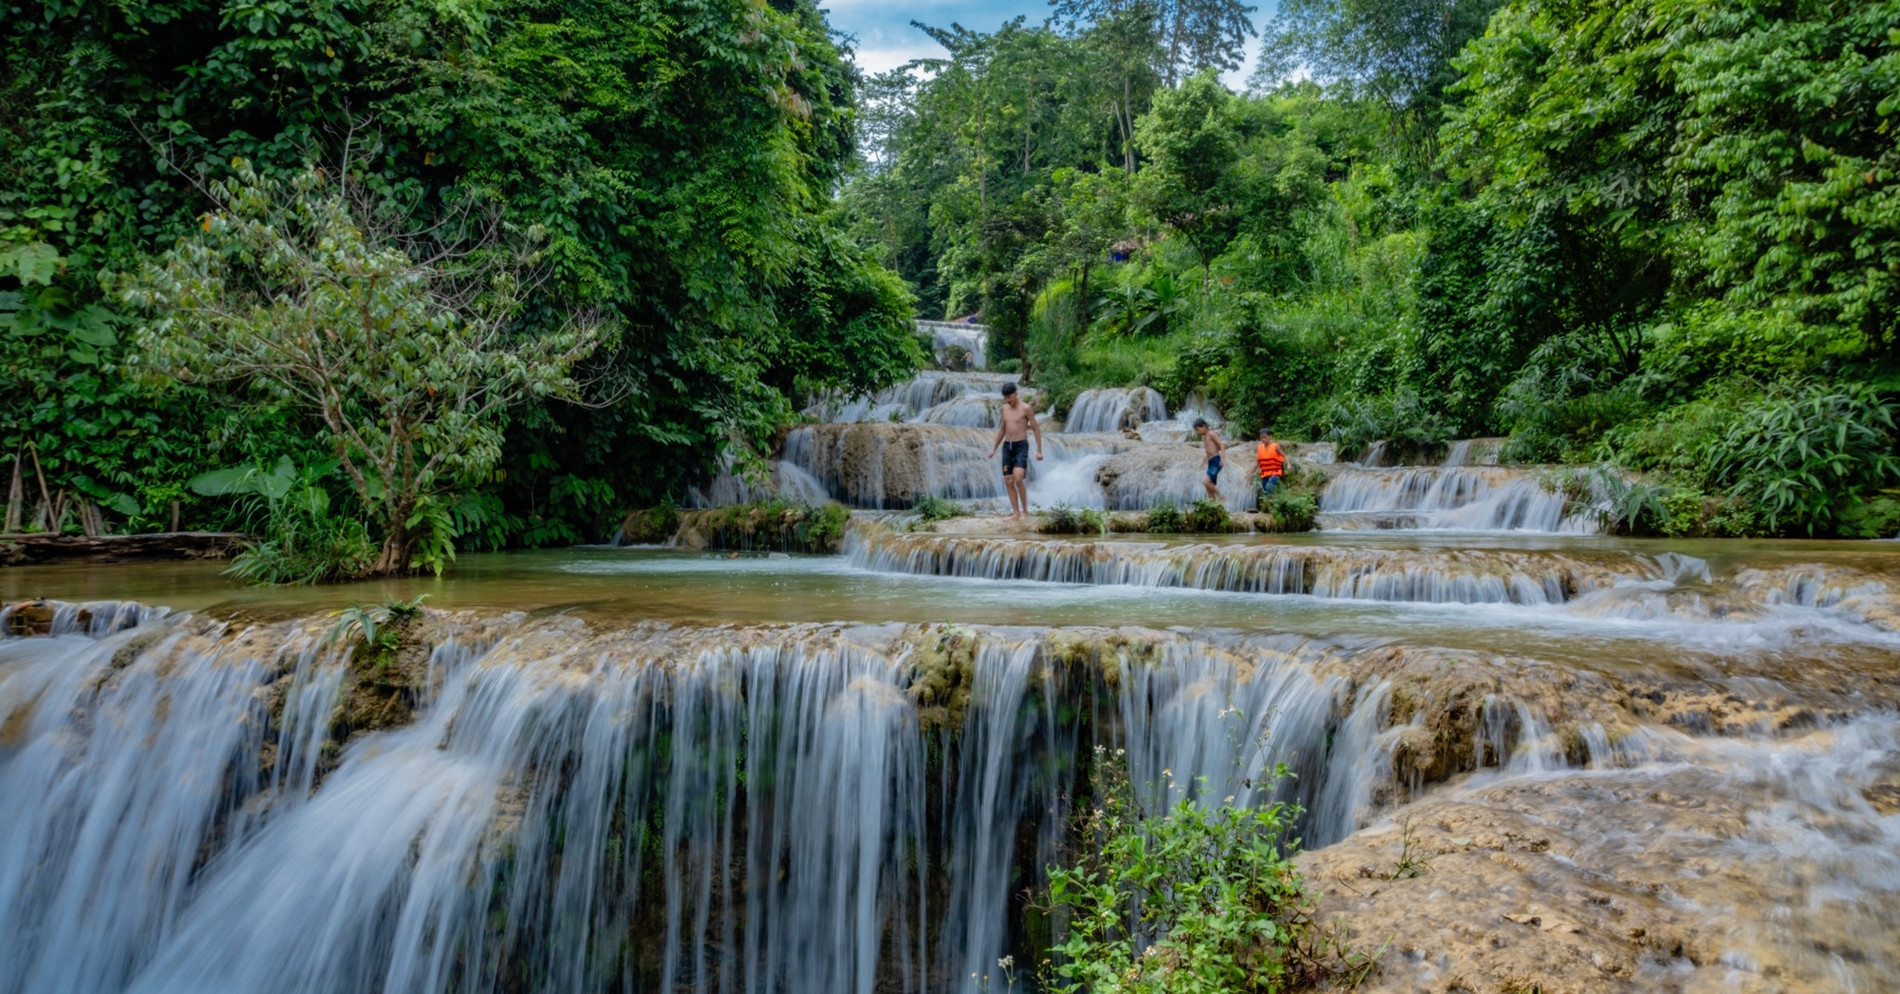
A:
[1676,879]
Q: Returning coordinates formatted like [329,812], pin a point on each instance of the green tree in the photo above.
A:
[1790,133]
[408,363]
[1198,896]
[1399,52]
[1190,36]
[1218,166]
[680,157]
[1193,147]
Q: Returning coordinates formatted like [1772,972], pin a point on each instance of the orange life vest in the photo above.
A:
[1272,460]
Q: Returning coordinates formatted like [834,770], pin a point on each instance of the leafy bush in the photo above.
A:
[1788,458]
[1165,518]
[307,546]
[1570,392]
[1293,511]
[1007,366]
[1210,888]
[932,507]
[1065,520]
[1402,419]
[1207,516]
[1134,309]
[1632,506]
[1800,450]
[1878,517]
[821,529]
[412,389]
[306,543]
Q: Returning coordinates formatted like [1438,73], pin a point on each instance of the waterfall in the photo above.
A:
[124,767]
[878,466]
[1448,577]
[915,399]
[973,339]
[1113,410]
[783,480]
[804,808]
[1452,498]
[650,810]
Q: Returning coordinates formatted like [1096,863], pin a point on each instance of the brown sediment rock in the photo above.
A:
[761,527]
[1870,597]
[983,548]
[943,669]
[30,618]
[1606,882]
[880,464]
[649,526]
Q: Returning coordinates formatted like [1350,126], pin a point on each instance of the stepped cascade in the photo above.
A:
[1631,765]
[972,339]
[1121,450]
[1115,410]
[586,804]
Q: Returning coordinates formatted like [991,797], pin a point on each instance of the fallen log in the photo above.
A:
[33,550]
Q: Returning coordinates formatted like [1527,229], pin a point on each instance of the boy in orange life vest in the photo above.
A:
[1272,462]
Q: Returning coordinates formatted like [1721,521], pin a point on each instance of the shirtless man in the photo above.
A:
[1213,447]
[1019,419]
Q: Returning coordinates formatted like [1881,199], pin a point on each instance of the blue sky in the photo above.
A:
[886,39]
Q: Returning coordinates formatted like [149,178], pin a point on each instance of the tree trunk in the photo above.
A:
[1126,119]
[47,507]
[397,545]
[1174,40]
[16,496]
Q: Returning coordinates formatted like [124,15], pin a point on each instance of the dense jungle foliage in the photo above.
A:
[1657,236]
[609,246]
[664,170]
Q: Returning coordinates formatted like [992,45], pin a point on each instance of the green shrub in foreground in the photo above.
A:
[1293,511]
[932,507]
[1065,520]
[1207,517]
[1212,891]
[1808,457]
[1165,517]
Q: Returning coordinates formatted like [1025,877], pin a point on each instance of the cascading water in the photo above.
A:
[972,339]
[1493,577]
[1119,450]
[1115,410]
[655,810]
[1450,498]
[590,806]
[881,466]
[916,399]
[671,797]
